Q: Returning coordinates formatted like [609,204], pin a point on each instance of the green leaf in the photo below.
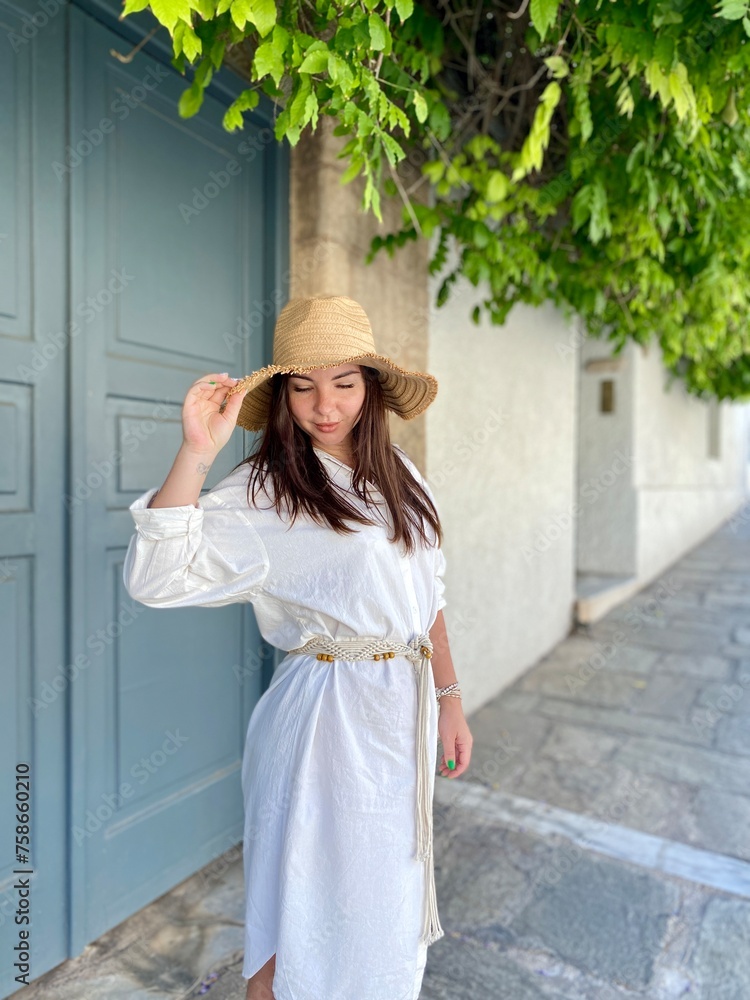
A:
[379,34]
[203,73]
[601,224]
[420,106]
[434,170]
[682,92]
[579,84]
[133,6]
[732,10]
[185,40]
[169,12]
[664,49]
[557,66]
[440,121]
[625,102]
[581,206]
[658,82]
[311,110]
[315,61]
[481,235]
[497,186]
[268,62]
[543,15]
[393,151]
[532,151]
[216,54]
[340,73]
[261,13]
[353,170]
[405,9]
[299,111]
[190,101]
[233,119]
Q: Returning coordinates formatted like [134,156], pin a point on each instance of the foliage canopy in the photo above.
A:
[591,153]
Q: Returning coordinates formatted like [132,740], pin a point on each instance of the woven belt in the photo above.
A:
[419,651]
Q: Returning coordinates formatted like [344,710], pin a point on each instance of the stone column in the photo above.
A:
[329,239]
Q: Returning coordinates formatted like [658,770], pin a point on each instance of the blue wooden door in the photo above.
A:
[155,244]
[171,277]
[34,675]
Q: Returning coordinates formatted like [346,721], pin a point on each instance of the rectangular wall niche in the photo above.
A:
[607,395]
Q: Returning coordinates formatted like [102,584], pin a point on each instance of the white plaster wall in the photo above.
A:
[608,503]
[501,440]
[683,493]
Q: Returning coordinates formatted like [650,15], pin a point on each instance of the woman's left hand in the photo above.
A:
[455,736]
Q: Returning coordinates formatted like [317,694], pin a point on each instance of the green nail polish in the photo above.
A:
[452,765]
[212,383]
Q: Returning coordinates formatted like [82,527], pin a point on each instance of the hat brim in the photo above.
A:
[407,393]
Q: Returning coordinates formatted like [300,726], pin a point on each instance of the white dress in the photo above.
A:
[332,884]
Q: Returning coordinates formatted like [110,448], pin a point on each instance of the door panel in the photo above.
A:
[34,672]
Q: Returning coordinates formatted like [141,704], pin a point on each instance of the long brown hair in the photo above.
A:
[301,484]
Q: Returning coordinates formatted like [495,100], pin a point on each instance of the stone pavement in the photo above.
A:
[598,848]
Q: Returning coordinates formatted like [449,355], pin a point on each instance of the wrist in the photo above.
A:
[206,456]
[450,704]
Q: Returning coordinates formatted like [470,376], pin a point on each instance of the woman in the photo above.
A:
[333,535]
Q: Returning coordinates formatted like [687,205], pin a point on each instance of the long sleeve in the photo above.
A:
[440,561]
[439,581]
[210,555]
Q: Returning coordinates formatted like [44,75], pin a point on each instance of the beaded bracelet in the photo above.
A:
[450,690]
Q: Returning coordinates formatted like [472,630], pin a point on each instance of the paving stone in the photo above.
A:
[580,650]
[602,917]
[684,597]
[502,739]
[721,961]
[728,600]
[630,659]
[728,698]
[701,618]
[733,734]
[483,873]
[693,765]
[627,721]
[576,745]
[647,803]
[722,822]
[544,780]
[668,640]
[470,970]
[576,646]
[668,696]
[512,699]
[731,650]
[710,667]
[603,688]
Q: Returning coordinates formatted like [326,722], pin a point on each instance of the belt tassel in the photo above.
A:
[419,651]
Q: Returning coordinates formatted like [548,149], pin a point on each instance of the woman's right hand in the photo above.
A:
[205,427]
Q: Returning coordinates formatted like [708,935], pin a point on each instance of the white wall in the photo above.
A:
[607,523]
[501,441]
[684,494]
[515,441]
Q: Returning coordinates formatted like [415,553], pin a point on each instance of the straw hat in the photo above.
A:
[323,331]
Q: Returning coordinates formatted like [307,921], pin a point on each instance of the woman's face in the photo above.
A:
[326,403]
